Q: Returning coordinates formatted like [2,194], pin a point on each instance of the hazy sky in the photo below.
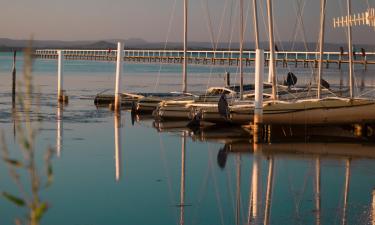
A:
[150,19]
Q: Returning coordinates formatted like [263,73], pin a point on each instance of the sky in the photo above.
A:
[162,20]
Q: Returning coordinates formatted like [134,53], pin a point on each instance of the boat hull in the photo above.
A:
[311,113]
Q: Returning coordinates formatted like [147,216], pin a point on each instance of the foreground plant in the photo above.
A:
[27,127]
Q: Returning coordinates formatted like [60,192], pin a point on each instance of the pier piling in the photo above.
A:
[258,110]
[118,76]
[61,97]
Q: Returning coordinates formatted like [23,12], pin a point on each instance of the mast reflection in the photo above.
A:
[346,192]
[373,207]
[317,190]
[255,202]
[182,181]
[260,198]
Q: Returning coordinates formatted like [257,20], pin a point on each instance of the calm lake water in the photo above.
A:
[154,175]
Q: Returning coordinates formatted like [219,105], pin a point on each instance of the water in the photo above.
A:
[142,185]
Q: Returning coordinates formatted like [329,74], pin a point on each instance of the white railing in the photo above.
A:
[201,54]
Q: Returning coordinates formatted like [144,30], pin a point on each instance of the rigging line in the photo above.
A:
[166,170]
[300,24]
[366,93]
[245,24]
[221,23]
[204,4]
[277,34]
[218,199]
[214,44]
[342,11]
[230,188]
[202,190]
[294,33]
[230,33]
[263,17]
[166,41]
[303,26]
[291,190]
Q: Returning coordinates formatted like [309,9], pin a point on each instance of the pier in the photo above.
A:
[229,58]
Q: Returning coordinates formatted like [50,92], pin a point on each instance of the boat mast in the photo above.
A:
[272,69]
[321,44]
[351,80]
[255,19]
[185,62]
[241,48]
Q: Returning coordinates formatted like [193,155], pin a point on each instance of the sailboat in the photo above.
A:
[208,102]
[328,110]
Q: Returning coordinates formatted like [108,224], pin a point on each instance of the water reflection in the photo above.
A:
[255,203]
[60,128]
[238,141]
[346,192]
[118,147]
[317,190]
[182,181]
[373,207]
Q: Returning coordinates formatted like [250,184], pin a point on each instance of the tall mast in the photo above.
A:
[241,48]
[321,44]
[351,80]
[184,67]
[255,18]
[272,69]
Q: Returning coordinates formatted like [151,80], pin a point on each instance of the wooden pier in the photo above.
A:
[230,58]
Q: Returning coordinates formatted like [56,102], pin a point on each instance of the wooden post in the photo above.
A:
[227,79]
[60,83]
[14,80]
[118,76]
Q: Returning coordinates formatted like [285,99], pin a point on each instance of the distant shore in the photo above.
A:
[7,45]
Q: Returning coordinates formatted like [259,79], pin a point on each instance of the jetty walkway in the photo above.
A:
[231,58]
